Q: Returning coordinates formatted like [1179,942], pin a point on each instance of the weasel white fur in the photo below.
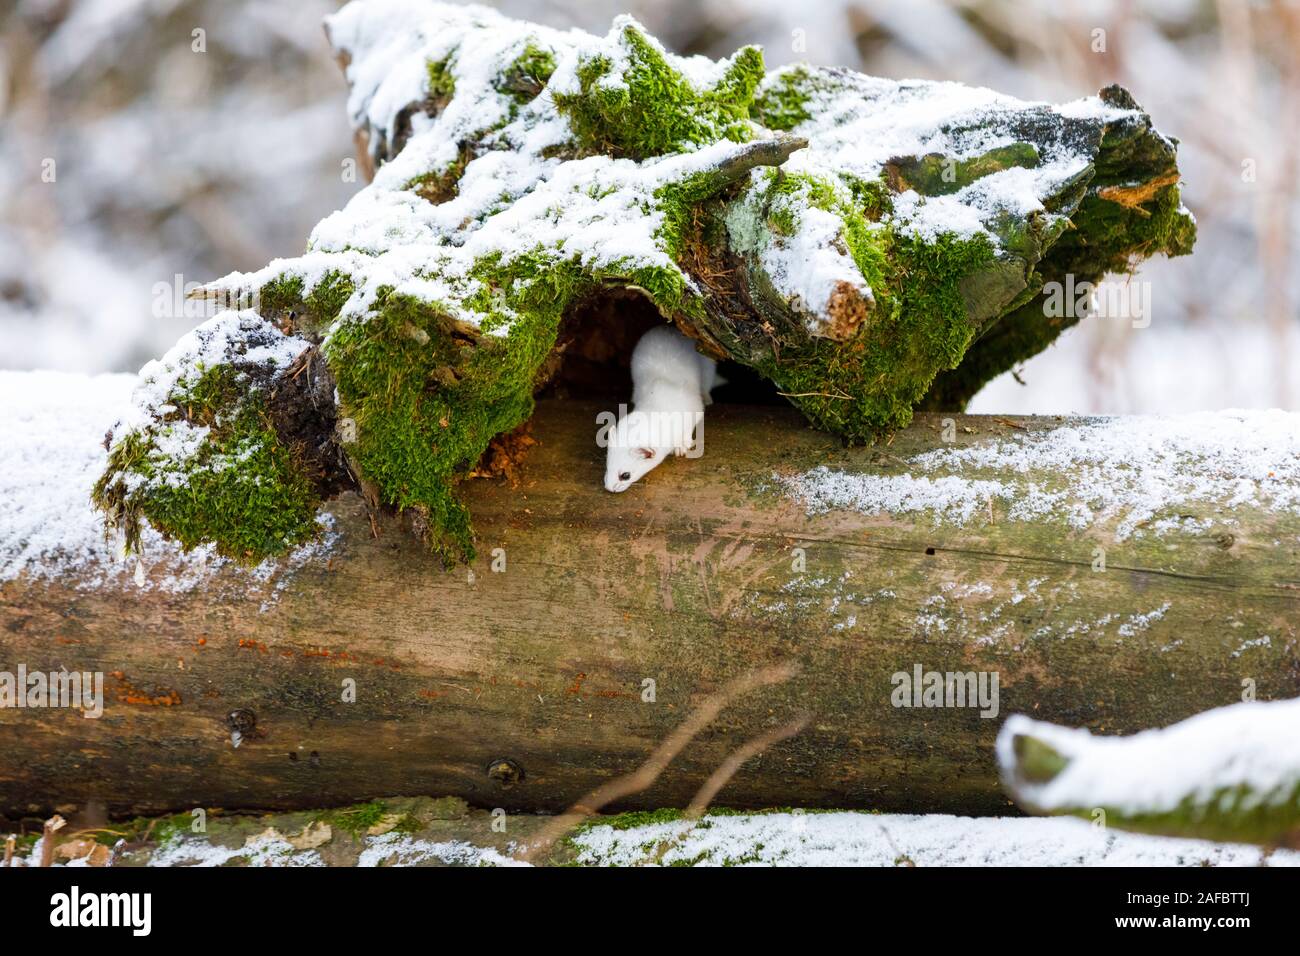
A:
[670,387]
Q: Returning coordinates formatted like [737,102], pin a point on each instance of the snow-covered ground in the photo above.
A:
[761,839]
[862,839]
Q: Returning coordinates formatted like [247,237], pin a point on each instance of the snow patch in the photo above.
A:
[265,849]
[863,839]
[400,849]
[1249,745]
[1128,470]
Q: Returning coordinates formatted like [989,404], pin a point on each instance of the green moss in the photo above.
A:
[356,819]
[327,297]
[423,408]
[782,103]
[442,83]
[635,818]
[527,74]
[239,486]
[693,861]
[409,823]
[283,294]
[868,386]
[679,203]
[816,191]
[921,321]
[1110,236]
[937,175]
[1231,814]
[1039,761]
[174,827]
[872,197]
[284,297]
[428,394]
[919,324]
[438,186]
[651,108]
[1234,814]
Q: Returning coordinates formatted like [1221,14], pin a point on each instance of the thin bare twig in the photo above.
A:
[739,757]
[645,775]
[839,395]
[726,770]
[1010,424]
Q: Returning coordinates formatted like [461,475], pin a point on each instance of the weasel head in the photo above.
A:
[629,455]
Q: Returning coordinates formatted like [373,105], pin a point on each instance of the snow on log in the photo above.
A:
[849,238]
[1230,774]
[1117,574]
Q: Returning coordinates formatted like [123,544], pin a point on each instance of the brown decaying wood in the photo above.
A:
[685,580]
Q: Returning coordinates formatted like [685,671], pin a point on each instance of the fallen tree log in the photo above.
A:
[1116,574]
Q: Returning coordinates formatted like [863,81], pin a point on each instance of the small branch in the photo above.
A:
[763,152]
[739,757]
[840,395]
[645,775]
[53,825]
[719,778]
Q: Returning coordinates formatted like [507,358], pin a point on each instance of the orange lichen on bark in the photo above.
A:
[1135,197]
[128,693]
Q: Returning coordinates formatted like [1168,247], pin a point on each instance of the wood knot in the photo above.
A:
[241,721]
[1225,540]
[505,771]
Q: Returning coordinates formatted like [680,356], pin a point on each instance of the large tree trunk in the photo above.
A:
[687,580]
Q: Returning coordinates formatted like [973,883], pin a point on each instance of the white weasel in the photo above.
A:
[670,387]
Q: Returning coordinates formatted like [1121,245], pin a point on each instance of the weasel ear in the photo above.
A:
[646,453]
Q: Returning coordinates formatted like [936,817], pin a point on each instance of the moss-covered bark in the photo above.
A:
[801,222]
[1128,209]
[222,451]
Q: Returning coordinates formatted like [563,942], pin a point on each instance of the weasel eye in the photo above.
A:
[625,476]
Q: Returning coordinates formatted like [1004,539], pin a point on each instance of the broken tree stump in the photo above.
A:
[865,245]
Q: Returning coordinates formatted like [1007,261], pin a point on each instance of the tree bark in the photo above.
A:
[527,687]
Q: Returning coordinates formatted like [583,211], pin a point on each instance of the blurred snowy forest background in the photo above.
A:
[171,166]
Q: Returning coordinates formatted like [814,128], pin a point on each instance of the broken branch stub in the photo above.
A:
[1230,774]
